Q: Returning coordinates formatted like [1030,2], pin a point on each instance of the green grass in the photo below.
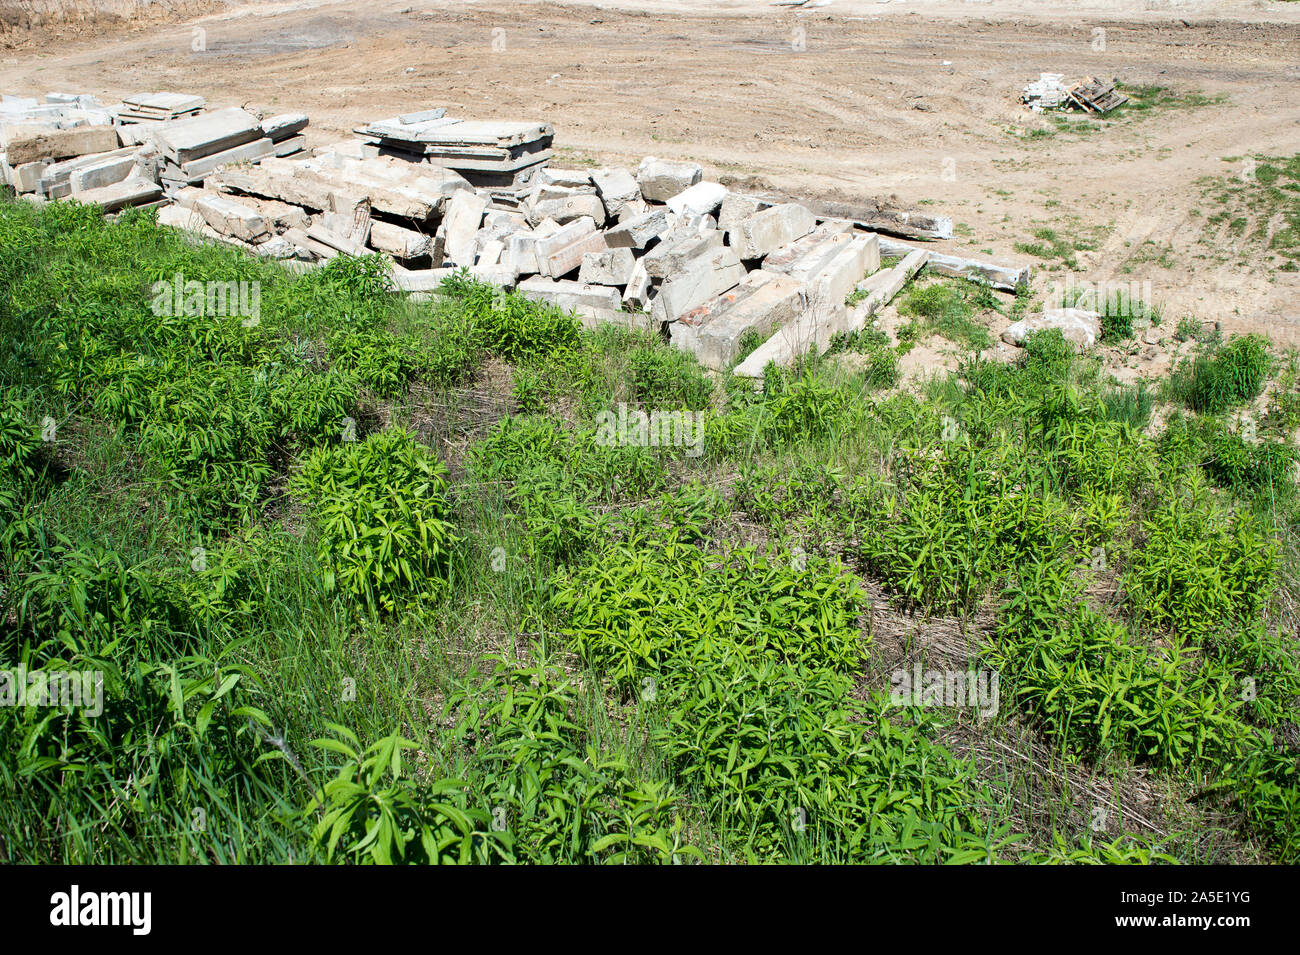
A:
[947,309]
[1049,244]
[1258,206]
[367,584]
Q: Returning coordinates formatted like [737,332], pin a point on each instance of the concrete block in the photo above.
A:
[639,231]
[607,267]
[489,252]
[562,251]
[840,276]
[568,208]
[521,253]
[661,179]
[231,218]
[460,225]
[27,144]
[760,304]
[701,199]
[637,294]
[397,241]
[27,177]
[707,276]
[770,229]
[101,174]
[590,301]
[617,188]
[679,251]
[736,206]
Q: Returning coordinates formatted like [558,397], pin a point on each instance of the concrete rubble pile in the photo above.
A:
[137,152]
[658,247]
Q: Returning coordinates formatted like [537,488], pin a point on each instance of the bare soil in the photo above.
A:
[914,99]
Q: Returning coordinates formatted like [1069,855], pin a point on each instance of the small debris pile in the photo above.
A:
[659,247]
[1091,95]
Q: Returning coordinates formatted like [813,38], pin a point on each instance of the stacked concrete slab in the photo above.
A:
[159,107]
[501,156]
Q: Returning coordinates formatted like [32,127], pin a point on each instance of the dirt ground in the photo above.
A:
[910,98]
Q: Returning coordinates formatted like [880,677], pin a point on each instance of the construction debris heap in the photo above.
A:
[659,247]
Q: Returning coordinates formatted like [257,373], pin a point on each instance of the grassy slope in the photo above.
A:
[524,644]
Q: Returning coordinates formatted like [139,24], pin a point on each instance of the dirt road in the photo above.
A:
[914,99]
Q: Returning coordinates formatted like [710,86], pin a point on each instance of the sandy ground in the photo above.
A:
[915,99]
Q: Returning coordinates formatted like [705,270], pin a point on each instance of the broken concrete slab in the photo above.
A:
[231,218]
[570,295]
[284,126]
[397,241]
[521,253]
[882,215]
[561,252]
[881,288]
[22,147]
[679,251]
[737,206]
[100,174]
[185,140]
[705,277]
[197,169]
[490,252]
[807,254]
[640,231]
[324,235]
[294,144]
[661,179]
[567,208]
[575,179]
[128,192]
[27,177]
[617,188]
[637,294]
[813,329]
[763,232]
[460,225]
[760,304]
[607,267]
[701,199]
[1080,326]
[1006,278]
[565,260]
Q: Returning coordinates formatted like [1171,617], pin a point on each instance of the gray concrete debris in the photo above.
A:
[1079,326]
[766,231]
[661,179]
[607,267]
